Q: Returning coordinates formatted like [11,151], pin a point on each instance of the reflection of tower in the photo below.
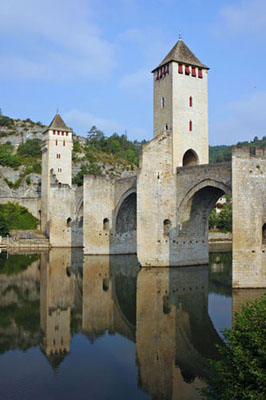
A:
[174,332]
[57,298]
[109,295]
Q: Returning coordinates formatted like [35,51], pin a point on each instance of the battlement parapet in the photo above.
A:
[249,152]
[203,167]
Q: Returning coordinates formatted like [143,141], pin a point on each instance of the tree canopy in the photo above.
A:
[241,371]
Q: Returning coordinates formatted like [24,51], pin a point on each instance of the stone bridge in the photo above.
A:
[163,215]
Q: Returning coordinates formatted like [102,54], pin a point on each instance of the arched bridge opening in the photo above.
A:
[197,207]
[126,220]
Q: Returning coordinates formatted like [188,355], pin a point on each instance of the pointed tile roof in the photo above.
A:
[58,123]
[182,54]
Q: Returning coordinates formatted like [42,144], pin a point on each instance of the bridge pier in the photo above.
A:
[173,208]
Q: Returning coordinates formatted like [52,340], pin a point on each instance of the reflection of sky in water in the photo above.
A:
[220,311]
[105,370]
[169,320]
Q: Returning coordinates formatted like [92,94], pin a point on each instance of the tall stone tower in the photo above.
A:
[181,105]
[57,148]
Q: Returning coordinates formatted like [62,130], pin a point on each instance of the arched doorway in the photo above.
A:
[190,158]
[126,220]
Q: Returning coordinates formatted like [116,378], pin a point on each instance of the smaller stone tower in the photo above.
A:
[181,105]
[57,148]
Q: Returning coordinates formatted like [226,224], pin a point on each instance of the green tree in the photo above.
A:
[31,148]
[240,374]
[17,217]
[95,137]
[3,226]
[87,169]
[7,157]
[213,219]
[225,218]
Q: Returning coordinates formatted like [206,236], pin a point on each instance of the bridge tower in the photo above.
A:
[181,105]
[56,163]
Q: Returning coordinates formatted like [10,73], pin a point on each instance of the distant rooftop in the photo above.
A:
[58,124]
[182,54]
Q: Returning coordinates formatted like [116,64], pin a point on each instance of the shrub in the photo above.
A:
[28,181]
[225,219]
[6,121]
[7,158]
[3,226]
[13,185]
[241,372]
[76,147]
[17,217]
[91,169]
[31,148]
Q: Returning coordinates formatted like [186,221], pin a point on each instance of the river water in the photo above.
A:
[100,327]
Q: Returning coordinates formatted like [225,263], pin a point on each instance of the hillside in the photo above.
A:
[20,156]
[224,153]
[114,156]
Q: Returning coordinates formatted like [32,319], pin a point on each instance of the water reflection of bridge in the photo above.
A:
[163,310]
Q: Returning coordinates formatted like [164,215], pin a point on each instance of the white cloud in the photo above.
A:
[245,119]
[58,37]
[243,17]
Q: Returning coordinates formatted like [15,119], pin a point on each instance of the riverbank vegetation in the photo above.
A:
[241,371]
[13,216]
[222,221]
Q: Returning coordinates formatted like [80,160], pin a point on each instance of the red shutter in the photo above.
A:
[190,126]
[53,132]
[64,143]
[180,68]
[200,73]
[193,71]
[63,133]
[58,132]
[66,133]
[187,70]
[190,101]
[56,142]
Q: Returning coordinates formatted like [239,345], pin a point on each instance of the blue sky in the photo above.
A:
[92,59]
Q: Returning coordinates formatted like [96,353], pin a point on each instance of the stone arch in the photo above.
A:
[190,158]
[126,213]
[197,204]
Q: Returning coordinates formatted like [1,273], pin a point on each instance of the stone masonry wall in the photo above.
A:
[102,198]
[249,216]
[184,199]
